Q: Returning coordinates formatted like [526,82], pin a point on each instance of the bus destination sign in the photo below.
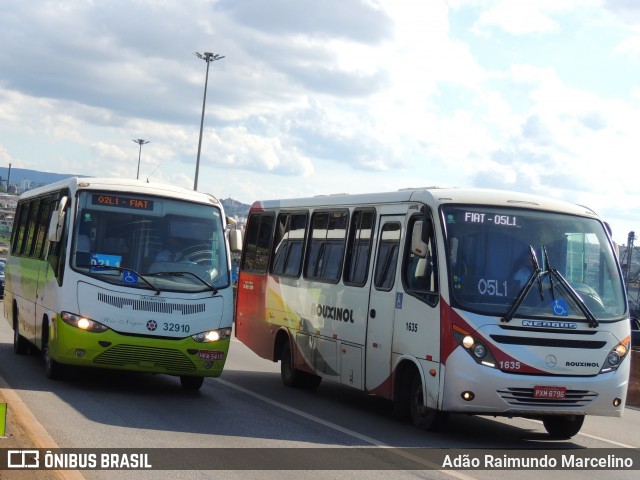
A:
[122,202]
[496,219]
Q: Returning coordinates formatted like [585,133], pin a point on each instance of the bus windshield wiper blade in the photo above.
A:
[553,272]
[182,274]
[94,268]
[593,321]
[548,264]
[535,276]
[536,264]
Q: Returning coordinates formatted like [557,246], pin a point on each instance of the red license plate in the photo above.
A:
[210,355]
[549,392]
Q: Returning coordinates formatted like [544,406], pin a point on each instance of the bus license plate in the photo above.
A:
[549,392]
[210,355]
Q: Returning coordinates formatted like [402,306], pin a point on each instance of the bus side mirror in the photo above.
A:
[419,236]
[235,241]
[56,223]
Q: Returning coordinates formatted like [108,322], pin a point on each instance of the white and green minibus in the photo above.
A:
[122,274]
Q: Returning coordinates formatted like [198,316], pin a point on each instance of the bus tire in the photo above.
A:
[20,344]
[402,397]
[191,383]
[422,416]
[290,376]
[52,369]
[562,426]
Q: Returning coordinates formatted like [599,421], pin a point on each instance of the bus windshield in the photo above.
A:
[529,263]
[150,242]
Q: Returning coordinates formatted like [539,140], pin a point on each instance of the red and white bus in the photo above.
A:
[442,300]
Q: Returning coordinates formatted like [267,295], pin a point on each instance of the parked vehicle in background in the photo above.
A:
[635,333]
[3,266]
[418,296]
[92,278]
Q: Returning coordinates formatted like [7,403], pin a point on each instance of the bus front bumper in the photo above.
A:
[494,392]
[181,356]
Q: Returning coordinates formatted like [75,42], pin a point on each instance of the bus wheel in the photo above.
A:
[52,369]
[290,376]
[562,426]
[20,344]
[424,417]
[293,377]
[191,383]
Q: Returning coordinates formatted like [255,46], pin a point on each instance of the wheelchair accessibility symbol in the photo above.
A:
[560,308]
[129,277]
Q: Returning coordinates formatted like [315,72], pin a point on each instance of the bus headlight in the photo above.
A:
[212,335]
[616,355]
[83,323]
[479,350]
[475,347]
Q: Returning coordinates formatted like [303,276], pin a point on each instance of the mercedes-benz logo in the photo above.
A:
[551,361]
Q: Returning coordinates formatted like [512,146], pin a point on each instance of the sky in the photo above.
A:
[333,96]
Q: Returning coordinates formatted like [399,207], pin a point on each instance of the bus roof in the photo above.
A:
[434,196]
[124,185]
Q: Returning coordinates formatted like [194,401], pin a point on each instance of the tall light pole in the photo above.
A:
[207,57]
[140,142]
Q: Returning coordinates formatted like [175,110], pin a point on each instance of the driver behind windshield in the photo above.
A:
[523,268]
[172,252]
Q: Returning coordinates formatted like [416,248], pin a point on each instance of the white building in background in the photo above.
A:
[25,185]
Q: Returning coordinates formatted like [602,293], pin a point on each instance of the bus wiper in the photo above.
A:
[548,264]
[553,272]
[182,274]
[534,260]
[93,268]
[535,276]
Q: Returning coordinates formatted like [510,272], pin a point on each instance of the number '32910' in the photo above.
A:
[175,327]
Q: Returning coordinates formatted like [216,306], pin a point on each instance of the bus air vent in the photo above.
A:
[153,307]
[132,355]
[549,342]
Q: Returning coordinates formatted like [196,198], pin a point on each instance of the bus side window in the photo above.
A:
[43,224]
[258,243]
[359,247]
[420,272]
[385,271]
[325,252]
[57,250]
[287,256]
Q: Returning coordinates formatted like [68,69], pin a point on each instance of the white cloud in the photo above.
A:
[630,46]
[526,17]
[517,18]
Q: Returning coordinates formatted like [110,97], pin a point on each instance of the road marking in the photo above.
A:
[593,437]
[346,431]
[621,445]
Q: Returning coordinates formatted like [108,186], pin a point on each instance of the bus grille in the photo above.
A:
[154,307]
[549,342]
[129,355]
[524,397]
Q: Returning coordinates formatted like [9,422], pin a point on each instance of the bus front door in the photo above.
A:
[382,305]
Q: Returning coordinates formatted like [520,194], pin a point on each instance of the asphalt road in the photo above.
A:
[249,408]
